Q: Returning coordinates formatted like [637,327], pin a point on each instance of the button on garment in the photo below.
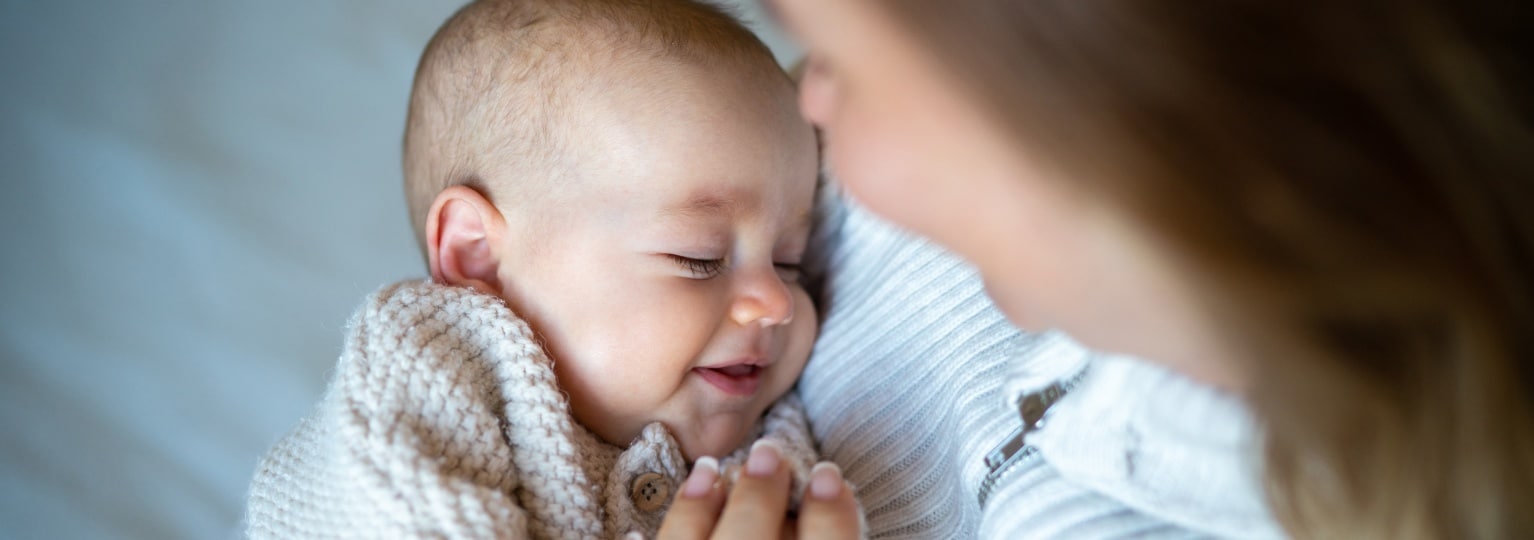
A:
[651,492]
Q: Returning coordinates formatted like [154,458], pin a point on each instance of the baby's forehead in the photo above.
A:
[688,196]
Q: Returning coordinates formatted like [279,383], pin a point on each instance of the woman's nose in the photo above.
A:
[763,298]
[816,93]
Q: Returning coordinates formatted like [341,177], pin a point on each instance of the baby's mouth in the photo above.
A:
[738,379]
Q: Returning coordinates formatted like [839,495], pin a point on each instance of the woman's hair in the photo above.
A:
[1355,183]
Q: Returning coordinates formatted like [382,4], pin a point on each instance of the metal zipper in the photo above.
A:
[1005,457]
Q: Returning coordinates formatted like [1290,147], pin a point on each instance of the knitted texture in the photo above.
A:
[915,378]
[444,419]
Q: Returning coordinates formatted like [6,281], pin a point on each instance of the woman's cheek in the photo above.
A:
[870,166]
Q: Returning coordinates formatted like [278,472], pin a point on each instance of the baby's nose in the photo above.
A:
[763,301]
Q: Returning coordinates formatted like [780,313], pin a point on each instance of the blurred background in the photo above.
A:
[196,195]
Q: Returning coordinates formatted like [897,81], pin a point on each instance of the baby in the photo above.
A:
[614,198]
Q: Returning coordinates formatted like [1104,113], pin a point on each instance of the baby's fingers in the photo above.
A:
[759,499]
[696,508]
[829,512]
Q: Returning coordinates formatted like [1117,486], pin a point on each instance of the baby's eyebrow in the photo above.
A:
[703,205]
[713,205]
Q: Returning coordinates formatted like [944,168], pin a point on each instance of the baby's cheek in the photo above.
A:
[806,314]
[802,331]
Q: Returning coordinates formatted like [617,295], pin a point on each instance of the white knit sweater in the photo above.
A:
[443,420]
[916,378]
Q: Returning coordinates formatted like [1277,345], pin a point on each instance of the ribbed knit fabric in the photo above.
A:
[915,378]
[444,420]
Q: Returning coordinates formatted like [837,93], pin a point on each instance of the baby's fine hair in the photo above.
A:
[495,84]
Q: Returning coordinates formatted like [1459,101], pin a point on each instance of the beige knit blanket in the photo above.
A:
[443,420]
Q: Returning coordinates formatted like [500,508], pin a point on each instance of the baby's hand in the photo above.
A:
[756,506]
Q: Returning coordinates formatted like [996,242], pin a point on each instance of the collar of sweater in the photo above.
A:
[1160,442]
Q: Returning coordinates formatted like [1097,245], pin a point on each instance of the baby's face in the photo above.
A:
[665,276]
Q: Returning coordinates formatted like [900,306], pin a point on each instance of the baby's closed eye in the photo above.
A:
[699,268]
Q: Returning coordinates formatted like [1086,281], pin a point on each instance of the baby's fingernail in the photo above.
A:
[765,455]
[633,535]
[825,480]
[704,473]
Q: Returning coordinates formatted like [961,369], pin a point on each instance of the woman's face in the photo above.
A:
[907,142]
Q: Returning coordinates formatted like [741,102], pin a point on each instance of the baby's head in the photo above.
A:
[634,179]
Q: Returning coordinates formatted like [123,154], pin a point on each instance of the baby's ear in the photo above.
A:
[460,230]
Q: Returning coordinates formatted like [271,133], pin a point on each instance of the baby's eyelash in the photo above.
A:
[703,268]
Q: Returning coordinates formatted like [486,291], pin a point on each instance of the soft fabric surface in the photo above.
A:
[196,195]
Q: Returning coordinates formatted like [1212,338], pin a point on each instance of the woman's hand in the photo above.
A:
[757,506]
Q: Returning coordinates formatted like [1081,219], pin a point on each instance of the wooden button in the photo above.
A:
[651,492]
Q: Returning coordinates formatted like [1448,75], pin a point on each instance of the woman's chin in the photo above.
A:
[1011,306]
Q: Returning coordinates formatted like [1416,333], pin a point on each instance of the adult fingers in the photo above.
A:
[759,500]
[829,511]
[696,506]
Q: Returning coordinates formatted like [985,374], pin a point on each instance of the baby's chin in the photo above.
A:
[716,436]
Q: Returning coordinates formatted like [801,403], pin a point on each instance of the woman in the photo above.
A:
[1326,210]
